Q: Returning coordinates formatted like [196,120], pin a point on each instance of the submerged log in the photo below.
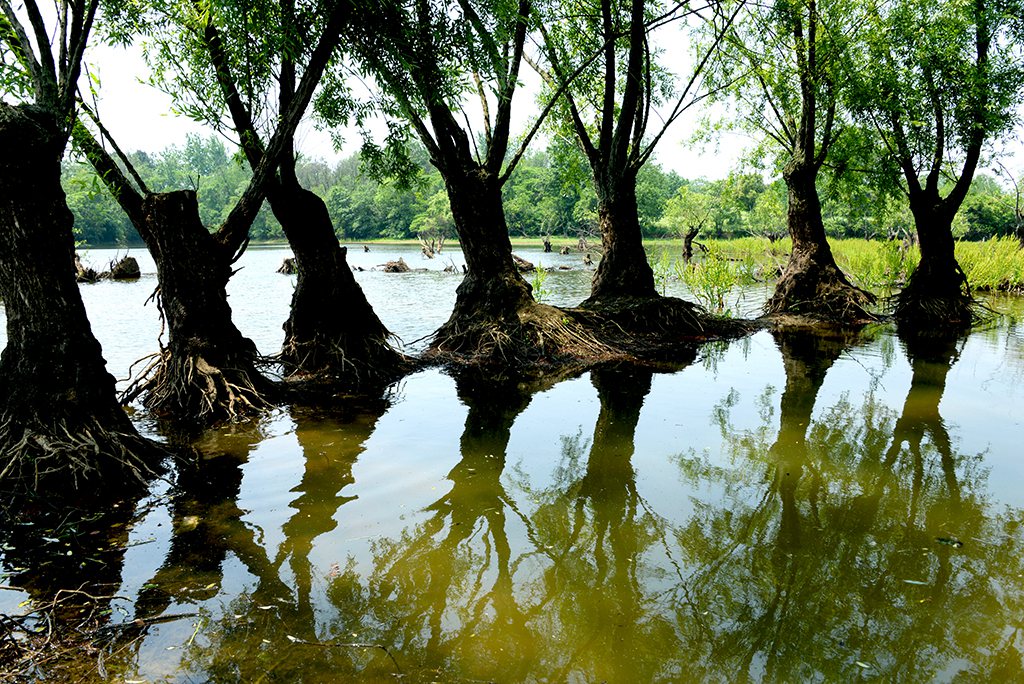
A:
[396,266]
[126,268]
[83,273]
[288,267]
[523,265]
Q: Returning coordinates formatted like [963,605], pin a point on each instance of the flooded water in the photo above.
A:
[784,508]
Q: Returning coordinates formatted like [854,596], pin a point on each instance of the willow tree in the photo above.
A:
[787,63]
[244,60]
[433,61]
[599,53]
[207,372]
[939,81]
[58,406]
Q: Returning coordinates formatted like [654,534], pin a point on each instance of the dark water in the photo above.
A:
[783,508]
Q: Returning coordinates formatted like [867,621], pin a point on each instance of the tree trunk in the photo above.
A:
[623,270]
[937,294]
[492,293]
[688,237]
[59,415]
[331,331]
[812,283]
[207,372]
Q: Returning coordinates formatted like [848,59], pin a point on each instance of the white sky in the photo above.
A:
[140,118]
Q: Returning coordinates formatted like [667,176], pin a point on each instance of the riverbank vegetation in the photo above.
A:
[546,195]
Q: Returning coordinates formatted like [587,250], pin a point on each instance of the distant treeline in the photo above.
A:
[548,194]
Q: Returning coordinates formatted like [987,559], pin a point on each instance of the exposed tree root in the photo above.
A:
[820,292]
[537,336]
[366,364]
[76,453]
[610,329]
[928,303]
[188,387]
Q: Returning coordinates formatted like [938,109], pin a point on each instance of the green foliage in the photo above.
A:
[710,280]
[99,220]
[540,276]
[878,265]
[661,266]
[938,81]
[545,196]
[995,264]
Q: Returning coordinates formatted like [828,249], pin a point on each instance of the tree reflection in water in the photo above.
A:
[852,541]
[870,551]
[830,542]
[68,556]
[272,632]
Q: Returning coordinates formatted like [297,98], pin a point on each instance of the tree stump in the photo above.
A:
[396,266]
[126,268]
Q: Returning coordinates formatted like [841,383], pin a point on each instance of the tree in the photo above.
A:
[59,416]
[786,69]
[349,349]
[435,60]
[599,57]
[689,212]
[945,78]
[208,371]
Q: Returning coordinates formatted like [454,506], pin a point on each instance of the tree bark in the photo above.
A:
[688,237]
[59,414]
[623,270]
[331,329]
[937,294]
[207,372]
[492,293]
[812,283]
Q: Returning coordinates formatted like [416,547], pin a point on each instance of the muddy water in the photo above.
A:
[785,508]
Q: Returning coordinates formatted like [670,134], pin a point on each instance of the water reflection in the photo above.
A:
[443,594]
[208,526]
[68,557]
[272,632]
[836,536]
[869,551]
[600,530]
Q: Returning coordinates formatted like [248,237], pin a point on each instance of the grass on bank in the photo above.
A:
[881,266]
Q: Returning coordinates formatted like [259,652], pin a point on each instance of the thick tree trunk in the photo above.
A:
[812,283]
[623,270]
[937,294]
[492,293]
[207,373]
[332,332]
[59,414]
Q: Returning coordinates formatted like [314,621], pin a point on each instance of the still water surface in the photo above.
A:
[784,508]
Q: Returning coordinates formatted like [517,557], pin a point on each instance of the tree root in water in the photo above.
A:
[73,451]
[191,389]
[820,293]
[330,366]
[542,337]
